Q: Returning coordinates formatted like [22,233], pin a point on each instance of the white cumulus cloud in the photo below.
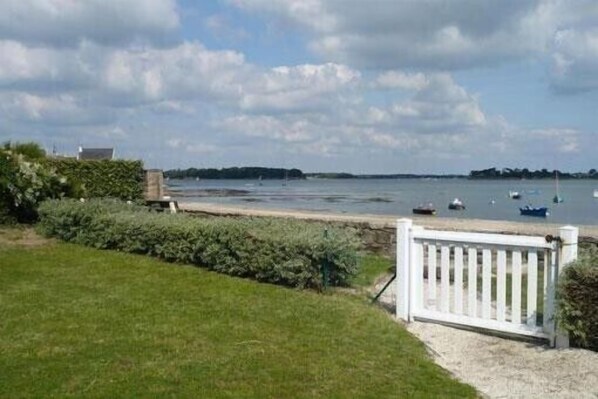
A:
[67,22]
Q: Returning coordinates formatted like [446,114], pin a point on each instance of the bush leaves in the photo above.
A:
[279,251]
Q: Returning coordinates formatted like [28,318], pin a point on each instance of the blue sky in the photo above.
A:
[405,86]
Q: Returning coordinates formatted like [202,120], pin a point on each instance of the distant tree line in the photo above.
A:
[331,175]
[508,173]
[411,176]
[342,175]
[235,173]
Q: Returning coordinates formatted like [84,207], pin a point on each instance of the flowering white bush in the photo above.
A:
[24,184]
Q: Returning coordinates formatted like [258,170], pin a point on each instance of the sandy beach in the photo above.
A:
[586,233]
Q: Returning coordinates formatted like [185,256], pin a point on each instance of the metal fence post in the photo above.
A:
[568,253]
[402,294]
[326,264]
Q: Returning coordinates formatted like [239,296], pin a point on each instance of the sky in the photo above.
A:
[377,86]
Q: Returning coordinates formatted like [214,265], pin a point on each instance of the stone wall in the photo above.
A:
[374,237]
[377,235]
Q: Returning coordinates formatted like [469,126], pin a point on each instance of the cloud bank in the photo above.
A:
[380,97]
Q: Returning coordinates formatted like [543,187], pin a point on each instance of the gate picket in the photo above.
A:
[472,282]
[432,274]
[458,292]
[444,278]
[486,283]
[532,288]
[501,284]
[516,288]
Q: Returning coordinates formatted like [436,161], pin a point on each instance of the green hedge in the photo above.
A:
[117,179]
[578,300]
[286,252]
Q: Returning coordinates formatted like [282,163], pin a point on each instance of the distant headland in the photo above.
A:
[508,173]
[250,172]
[255,172]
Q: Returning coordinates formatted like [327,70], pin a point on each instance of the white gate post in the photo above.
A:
[402,293]
[568,254]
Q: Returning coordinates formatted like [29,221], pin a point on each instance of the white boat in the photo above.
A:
[596,193]
[514,195]
[456,205]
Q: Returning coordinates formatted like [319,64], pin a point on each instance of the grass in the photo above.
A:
[11,235]
[371,267]
[77,322]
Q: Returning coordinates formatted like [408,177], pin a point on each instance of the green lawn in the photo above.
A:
[77,322]
[371,267]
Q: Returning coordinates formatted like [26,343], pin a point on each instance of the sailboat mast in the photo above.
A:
[557,197]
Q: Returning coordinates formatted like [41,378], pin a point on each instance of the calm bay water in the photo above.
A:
[399,196]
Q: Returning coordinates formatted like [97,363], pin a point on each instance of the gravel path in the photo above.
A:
[503,368]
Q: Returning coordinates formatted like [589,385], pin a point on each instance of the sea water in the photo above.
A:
[484,199]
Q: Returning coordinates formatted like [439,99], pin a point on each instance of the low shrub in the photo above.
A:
[578,300]
[286,252]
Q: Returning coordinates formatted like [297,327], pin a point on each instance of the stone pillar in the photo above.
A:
[153,184]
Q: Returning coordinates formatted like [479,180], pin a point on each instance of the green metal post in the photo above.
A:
[326,264]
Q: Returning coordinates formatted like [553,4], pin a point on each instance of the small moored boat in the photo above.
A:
[425,210]
[514,195]
[529,210]
[596,193]
[456,205]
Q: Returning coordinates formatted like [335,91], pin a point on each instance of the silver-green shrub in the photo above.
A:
[279,251]
[578,299]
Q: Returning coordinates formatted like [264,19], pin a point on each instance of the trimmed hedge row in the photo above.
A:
[578,300]
[287,252]
[117,179]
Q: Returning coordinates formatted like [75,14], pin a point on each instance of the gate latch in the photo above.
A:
[550,238]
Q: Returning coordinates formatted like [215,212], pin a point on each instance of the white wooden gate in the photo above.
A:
[499,282]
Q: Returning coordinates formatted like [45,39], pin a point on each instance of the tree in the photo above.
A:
[30,150]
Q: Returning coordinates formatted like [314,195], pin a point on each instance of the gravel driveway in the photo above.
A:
[504,368]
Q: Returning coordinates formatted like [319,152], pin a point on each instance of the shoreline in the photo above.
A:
[587,233]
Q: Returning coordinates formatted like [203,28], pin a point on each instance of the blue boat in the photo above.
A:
[529,210]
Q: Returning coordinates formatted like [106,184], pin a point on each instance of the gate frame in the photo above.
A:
[407,282]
